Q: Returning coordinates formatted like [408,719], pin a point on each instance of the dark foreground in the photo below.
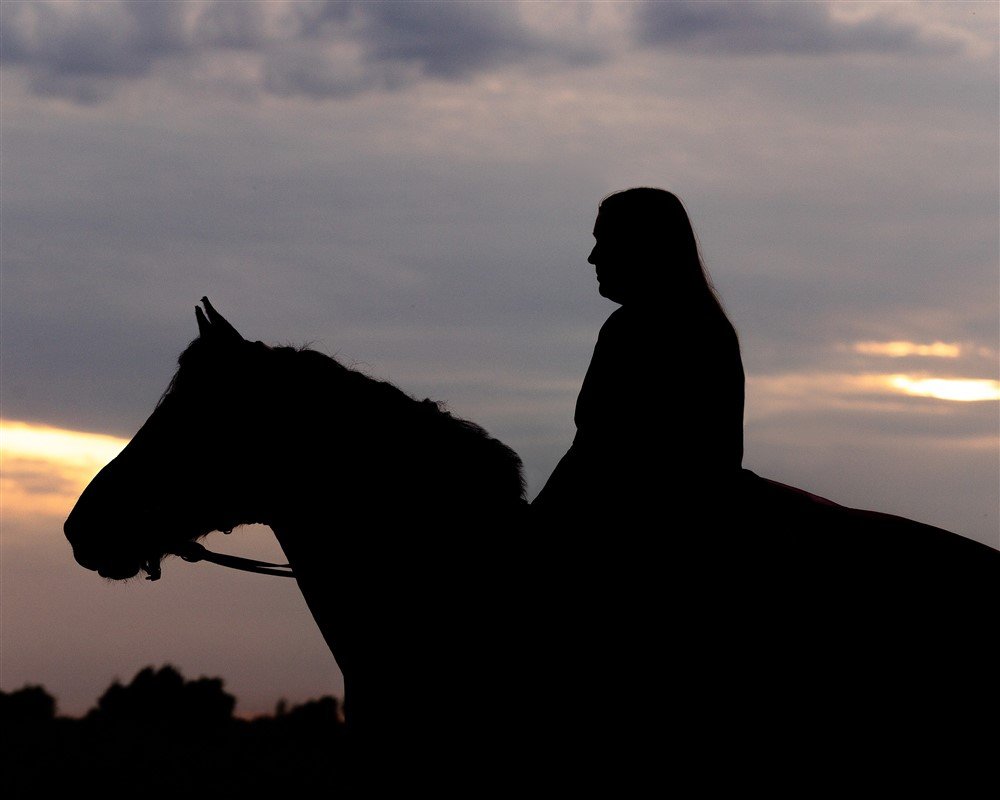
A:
[163,735]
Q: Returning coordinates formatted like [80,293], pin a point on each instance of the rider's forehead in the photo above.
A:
[601,223]
[606,224]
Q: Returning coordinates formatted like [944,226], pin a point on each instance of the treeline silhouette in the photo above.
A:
[162,732]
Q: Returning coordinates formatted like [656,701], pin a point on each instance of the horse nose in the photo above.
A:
[80,528]
[73,530]
[89,516]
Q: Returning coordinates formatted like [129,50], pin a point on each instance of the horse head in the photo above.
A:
[184,474]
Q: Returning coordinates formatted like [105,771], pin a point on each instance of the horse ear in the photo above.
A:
[204,328]
[212,323]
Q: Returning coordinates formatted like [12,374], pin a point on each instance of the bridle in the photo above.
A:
[193,552]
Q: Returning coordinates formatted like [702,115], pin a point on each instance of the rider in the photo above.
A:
[660,414]
[633,508]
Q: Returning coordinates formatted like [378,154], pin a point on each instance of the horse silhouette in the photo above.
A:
[578,652]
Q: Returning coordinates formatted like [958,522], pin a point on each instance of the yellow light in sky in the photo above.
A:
[772,396]
[960,389]
[43,469]
[900,349]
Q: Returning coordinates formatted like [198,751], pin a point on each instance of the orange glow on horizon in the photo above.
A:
[44,469]
[896,393]
[963,390]
[899,349]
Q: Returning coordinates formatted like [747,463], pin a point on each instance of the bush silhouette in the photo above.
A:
[164,695]
[31,704]
[179,734]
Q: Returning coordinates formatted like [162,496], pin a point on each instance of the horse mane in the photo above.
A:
[469,441]
[424,427]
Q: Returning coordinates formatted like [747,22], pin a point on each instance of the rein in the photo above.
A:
[193,552]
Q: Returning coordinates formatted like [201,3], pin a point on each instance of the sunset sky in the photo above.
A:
[411,187]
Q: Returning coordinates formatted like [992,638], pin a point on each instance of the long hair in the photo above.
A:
[661,228]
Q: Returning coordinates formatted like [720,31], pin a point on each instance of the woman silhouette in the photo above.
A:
[660,414]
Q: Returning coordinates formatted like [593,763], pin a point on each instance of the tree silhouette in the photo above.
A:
[164,695]
[32,704]
[176,734]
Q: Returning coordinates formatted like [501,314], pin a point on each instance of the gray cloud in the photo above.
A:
[763,28]
[83,50]
[447,40]
[100,39]
[236,25]
[344,48]
[302,70]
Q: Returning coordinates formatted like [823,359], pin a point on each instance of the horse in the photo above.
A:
[373,496]
[410,537]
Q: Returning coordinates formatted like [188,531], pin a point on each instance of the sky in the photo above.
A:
[411,187]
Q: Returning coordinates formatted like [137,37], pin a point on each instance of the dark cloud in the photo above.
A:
[82,50]
[763,28]
[236,25]
[100,39]
[85,50]
[305,71]
[447,40]
[402,42]
[83,89]
[79,50]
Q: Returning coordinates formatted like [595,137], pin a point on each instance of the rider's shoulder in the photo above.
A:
[629,321]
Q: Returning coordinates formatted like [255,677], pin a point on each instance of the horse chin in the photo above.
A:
[118,572]
[123,569]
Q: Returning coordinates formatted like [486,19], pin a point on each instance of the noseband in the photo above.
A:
[192,552]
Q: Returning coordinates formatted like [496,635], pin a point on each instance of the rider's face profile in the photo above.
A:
[615,257]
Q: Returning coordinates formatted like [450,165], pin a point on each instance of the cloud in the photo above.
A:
[765,28]
[44,469]
[900,349]
[341,48]
[447,40]
[785,392]
[958,389]
[77,50]
[83,51]
[100,39]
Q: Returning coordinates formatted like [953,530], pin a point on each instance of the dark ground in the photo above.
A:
[162,733]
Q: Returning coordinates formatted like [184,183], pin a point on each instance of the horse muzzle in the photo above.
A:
[105,555]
